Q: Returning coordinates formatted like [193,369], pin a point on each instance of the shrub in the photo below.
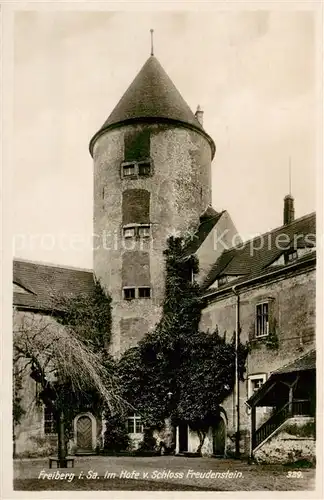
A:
[116,438]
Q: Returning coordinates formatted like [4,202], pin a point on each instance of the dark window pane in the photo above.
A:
[130,426]
[144,293]
[129,293]
[144,168]
[138,426]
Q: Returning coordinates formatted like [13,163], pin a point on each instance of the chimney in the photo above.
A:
[200,115]
[289,210]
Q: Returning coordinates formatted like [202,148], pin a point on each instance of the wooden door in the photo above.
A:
[183,437]
[219,438]
[84,433]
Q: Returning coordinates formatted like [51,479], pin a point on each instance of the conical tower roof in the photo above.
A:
[152,97]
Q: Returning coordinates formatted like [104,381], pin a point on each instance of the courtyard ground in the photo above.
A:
[161,473]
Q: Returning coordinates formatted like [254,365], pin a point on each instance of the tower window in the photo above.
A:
[144,292]
[129,232]
[129,293]
[136,169]
[144,168]
[144,231]
[129,170]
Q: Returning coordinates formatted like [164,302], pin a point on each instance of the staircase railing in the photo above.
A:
[290,409]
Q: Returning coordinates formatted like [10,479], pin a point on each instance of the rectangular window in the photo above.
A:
[144,292]
[144,168]
[262,319]
[129,293]
[255,382]
[144,231]
[129,232]
[134,424]
[50,422]
[129,170]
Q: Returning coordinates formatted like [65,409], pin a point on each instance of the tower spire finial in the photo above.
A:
[152,48]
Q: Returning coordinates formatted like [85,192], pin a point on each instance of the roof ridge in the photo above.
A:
[243,243]
[52,264]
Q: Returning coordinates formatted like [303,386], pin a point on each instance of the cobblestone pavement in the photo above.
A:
[106,473]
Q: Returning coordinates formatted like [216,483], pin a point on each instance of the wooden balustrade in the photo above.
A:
[297,407]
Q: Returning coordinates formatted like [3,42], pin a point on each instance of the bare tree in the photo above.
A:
[56,358]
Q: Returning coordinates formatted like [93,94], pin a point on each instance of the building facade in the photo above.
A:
[152,179]
[266,290]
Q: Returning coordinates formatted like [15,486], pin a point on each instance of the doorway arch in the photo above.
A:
[219,437]
[85,431]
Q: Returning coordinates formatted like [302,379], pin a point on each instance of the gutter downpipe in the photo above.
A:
[237,375]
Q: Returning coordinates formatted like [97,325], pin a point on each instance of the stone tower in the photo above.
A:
[152,177]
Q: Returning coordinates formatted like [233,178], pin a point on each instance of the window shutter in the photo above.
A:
[136,269]
[137,145]
[272,315]
[136,206]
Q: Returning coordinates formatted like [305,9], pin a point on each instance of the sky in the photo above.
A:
[252,72]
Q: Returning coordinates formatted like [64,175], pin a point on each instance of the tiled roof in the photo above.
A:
[305,362]
[208,221]
[45,282]
[253,257]
[152,95]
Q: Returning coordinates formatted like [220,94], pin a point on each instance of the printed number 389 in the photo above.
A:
[294,474]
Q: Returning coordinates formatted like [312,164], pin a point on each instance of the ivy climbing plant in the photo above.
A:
[194,367]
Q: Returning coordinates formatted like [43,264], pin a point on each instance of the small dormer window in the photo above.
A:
[222,280]
[290,256]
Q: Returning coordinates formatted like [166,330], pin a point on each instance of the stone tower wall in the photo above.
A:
[171,199]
